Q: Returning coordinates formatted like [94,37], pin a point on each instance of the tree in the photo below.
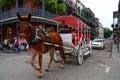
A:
[107,32]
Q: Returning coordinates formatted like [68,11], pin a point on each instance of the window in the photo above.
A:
[20,3]
[78,10]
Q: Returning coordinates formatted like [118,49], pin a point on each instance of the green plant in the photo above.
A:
[51,5]
[35,1]
[107,32]
[7,2]
[61,8]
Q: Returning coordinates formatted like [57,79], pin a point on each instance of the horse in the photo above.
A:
[36,40]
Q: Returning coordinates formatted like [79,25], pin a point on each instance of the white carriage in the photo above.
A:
[76,38]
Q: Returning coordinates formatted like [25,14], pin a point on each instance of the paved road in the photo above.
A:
[98,66]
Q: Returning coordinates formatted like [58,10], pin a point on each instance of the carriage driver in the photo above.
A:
[40,27]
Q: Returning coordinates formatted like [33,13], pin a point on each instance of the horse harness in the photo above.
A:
[37,37]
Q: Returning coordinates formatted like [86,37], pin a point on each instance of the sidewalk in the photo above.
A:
[10,52]
[115,54]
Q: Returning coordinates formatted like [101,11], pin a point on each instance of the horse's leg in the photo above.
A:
[32,61]
[51,51]
[40,64]
[62,57]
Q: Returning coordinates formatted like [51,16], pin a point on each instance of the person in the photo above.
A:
[16,43]
[6,44]
[40,27]
[115,40]
[19,45]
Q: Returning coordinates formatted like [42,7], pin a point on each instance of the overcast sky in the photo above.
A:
[103,9]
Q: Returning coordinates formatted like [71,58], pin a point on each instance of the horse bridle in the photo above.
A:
[36,35]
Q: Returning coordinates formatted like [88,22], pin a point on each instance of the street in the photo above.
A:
[98,66]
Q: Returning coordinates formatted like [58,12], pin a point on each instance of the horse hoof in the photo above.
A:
[62,66]
[39,75]
[46,70]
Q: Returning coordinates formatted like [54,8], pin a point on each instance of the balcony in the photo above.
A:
[71,4]
[25,11]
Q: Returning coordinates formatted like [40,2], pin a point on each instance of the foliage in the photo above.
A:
[107,32]
[51,5]
[7,2]
[35,1]
[61,8]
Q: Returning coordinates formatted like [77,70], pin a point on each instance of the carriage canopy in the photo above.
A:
[68,20]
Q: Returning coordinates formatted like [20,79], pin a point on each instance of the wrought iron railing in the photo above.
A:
[25,11]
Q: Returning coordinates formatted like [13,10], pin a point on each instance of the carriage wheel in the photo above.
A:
[56,56]
[80,57]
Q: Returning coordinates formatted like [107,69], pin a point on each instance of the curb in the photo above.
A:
[115,54]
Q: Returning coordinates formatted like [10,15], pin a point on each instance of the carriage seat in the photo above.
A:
[67,40]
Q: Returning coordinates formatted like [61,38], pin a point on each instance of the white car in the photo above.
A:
[98,43]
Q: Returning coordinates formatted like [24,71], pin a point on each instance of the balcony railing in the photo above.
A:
[71,3]
[25,11]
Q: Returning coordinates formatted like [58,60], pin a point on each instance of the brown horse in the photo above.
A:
[37,46]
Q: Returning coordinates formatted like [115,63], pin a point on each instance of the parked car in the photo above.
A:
[98,43]
[103,39]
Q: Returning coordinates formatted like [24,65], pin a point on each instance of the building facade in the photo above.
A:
[41,12]
[9,22]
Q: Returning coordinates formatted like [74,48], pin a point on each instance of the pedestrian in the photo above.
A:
[19,45]
[6,44]
[16,43]
[115,40]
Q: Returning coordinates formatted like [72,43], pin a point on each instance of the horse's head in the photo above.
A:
[26,30]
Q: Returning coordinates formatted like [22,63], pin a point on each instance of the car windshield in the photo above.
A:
[97,40]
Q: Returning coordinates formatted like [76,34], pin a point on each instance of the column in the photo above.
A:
[56,8]
[17,29]
[43,7]
[0,7]
[16,4]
